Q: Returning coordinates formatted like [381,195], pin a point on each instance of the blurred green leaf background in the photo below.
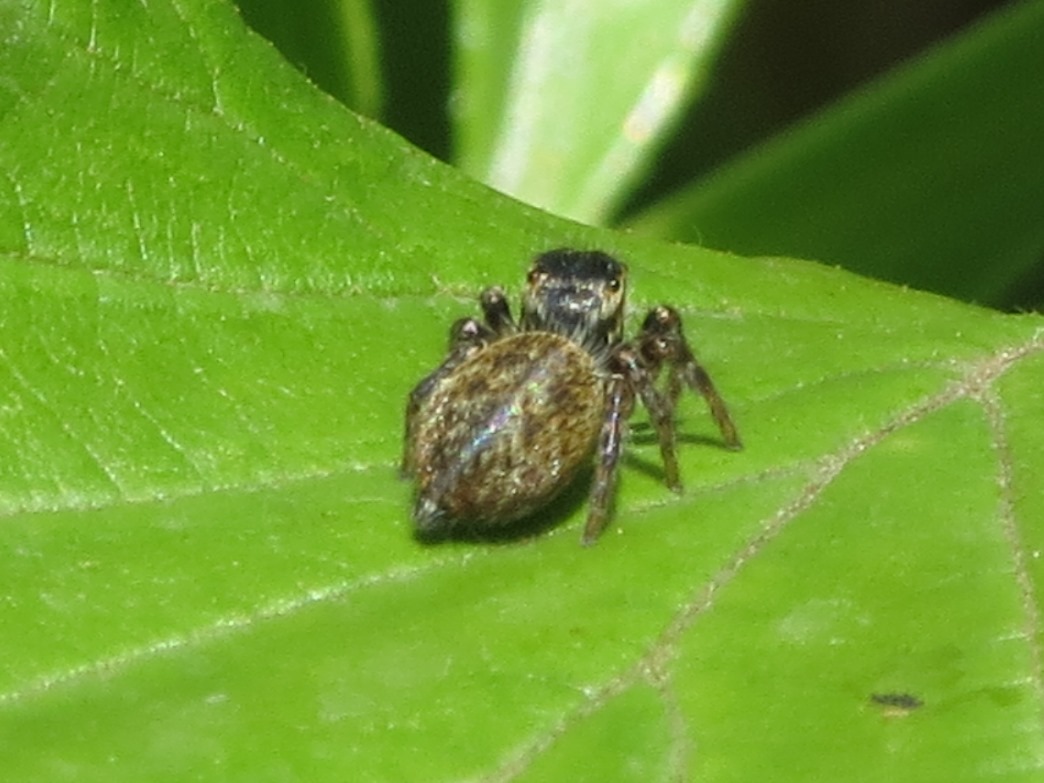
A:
[898,140]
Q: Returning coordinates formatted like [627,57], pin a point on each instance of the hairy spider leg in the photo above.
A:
[629,379]
[497,311]
[619,402]
[661,342]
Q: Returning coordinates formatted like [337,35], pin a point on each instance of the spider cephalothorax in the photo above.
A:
[576,294]
[517,408]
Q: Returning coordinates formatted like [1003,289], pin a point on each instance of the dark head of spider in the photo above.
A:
[518,408]
[576,294]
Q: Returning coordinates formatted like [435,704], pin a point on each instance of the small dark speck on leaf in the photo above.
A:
[896,703]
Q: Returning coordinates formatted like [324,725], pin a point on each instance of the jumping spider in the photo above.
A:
[517,408]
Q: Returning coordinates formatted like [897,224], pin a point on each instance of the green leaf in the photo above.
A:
[563,106]
[333,41]
[932,177]
[218,287]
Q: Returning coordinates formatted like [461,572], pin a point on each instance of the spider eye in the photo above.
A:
[615,284]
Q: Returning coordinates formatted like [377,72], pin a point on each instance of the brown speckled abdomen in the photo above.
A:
[506,431]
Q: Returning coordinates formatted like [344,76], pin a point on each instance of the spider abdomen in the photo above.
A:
[506,430]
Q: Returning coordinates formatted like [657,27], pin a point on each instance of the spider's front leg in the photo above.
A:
[497,312]
[661,411]
[662,341]
[629,379]
[619,403]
